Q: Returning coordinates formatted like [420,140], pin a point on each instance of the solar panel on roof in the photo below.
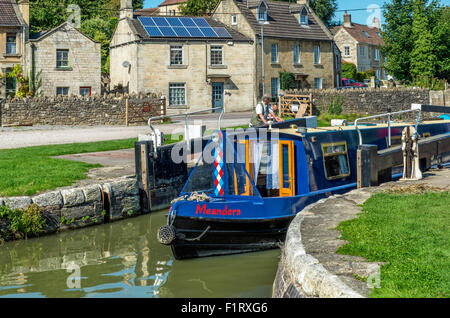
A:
[153,31]
[188,22]
[182,32]
[201,22]
[146,21]
[160,21]
[208,32]
[222,33]
[173,21]
[195,32]
[167,31]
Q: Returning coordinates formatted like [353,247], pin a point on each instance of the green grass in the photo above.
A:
[27,171]
[411,234]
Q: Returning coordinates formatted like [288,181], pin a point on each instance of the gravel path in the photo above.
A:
[52,135]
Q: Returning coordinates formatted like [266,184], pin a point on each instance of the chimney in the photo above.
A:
[24,7]
[126,9]
[347,20]
[376,23]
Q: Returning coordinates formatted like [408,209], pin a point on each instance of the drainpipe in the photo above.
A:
[24,50]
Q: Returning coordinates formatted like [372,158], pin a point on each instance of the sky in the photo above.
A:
[368,9]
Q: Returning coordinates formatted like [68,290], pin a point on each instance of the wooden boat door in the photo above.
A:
[287,176]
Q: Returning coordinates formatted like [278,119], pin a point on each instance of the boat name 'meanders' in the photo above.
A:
[224,211]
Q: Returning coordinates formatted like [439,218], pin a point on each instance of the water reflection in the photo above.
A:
[123,259]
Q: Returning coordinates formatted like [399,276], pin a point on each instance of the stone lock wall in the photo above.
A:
[70,111]
[81,207]
[368,101]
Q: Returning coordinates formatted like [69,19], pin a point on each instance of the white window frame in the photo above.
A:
[234,19]
[320,86]
[264,16]
[378,74]
[171,99]
[362,51]
[345,51]
[61,60]
[304,13]
[377,55]
[215,49]
[275,91]
[11,47]
[176,48]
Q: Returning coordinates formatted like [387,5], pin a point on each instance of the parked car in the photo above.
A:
[347,82]
[357,84]
[377,82]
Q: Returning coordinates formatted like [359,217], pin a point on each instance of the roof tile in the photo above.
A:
[8,15]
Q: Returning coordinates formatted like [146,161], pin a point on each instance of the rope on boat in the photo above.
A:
[198,237]
[193,197]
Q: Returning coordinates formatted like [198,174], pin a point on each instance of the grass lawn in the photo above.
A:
[411,234]
[27,171]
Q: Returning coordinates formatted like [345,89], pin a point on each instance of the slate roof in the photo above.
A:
[236,36]
[356,31]
[8,13]
[282,21]
[172,2]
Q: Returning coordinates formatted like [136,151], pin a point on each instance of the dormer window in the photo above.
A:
[367,34]
[262,11]
[304,16]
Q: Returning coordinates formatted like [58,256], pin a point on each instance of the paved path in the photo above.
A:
[52,135]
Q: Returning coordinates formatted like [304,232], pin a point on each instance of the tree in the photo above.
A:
[348,70]
[198,7]
[423,57]
[441,34]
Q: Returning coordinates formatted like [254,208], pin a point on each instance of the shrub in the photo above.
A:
[24,222]
[348,70]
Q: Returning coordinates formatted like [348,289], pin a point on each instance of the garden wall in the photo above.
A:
[74,110]
[368,101]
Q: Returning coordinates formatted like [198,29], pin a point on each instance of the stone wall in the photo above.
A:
[368,101]
[71,111]
[80,207]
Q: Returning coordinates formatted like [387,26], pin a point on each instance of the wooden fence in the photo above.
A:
[295,105]
[141,112]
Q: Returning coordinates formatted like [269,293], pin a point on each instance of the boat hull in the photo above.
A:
[223,237]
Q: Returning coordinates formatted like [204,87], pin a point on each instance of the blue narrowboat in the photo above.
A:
[248,185]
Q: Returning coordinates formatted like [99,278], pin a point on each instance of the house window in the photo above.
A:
[63,91]
[346,50]
[362,51]
[262,12]
[274,53]
[296,54]
[10,84]
[275,86]
[234,19]
[378,74]
[62,58]
[377,55]
[176,55]
[11,44]
[177,94]
[85,91]
[318,83]
[335,160]
[304,16]
[316,54]
[216,55]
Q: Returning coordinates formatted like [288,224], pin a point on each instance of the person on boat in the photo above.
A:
[263,113]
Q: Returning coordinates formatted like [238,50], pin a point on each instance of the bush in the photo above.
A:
[287,81]
[348,70]
[24,222]
[432,83]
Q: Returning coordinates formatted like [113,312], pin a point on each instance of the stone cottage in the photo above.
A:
[66,60]
[360,45]
[14,25]
[287,37]
[193,66]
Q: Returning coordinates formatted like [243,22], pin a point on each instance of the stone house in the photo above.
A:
[66,60]
[195,68]
[287,37]
[170,7]
[14,25]
[360,45]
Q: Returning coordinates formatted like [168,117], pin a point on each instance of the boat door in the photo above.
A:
[287,177]
[217,96]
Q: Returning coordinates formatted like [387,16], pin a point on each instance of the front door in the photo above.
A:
[287,177]
[217,96]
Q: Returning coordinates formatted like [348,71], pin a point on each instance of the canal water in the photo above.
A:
[124,259]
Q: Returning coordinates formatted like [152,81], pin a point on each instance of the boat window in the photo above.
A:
[285,154]
[335,159]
